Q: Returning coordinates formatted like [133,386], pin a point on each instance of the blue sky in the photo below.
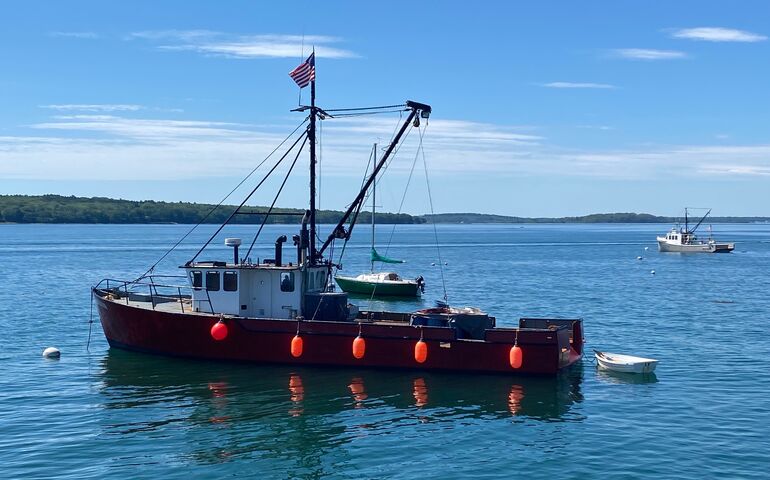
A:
[540,108]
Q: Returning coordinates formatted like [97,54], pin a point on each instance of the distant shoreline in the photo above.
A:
[57,209]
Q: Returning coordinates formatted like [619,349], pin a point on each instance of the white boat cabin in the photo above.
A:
[265,290]
[677,237]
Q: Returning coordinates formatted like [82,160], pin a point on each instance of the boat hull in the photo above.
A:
[714,247]
[390,289]
[545,351]
[625,363]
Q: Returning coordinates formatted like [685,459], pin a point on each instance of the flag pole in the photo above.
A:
[311,139]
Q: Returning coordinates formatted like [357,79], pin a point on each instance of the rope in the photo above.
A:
[90,321]
[221,201]
[272,205]
[433,220]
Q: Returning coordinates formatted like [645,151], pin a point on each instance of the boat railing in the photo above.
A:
[158,291]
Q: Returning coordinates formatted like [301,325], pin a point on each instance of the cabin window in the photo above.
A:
[197,279]
[230,282]
[320,277]
[287,282]
[212,281]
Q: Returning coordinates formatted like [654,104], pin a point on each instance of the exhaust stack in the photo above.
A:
[279,250]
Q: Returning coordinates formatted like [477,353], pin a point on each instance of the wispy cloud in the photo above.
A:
[142,129]
[95,107]
[83,35]
[88,146]
[648,54]
[596,127]
[718,34]
[577,85]
[245,46]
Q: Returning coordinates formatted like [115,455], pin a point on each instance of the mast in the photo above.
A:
[311,139]
[374,204]
[687,230]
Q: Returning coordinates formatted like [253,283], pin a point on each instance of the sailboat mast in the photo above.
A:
[374,202]
[311,139]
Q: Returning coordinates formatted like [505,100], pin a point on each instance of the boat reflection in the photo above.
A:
[609,376]
[232,392]
[240,410]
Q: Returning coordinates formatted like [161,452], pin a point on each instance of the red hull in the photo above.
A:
[545,351]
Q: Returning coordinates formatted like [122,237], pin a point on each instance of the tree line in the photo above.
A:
[62,209]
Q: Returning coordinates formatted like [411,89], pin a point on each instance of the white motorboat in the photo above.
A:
[625,363]
[683,240]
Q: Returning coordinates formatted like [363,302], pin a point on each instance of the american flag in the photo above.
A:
[305,73]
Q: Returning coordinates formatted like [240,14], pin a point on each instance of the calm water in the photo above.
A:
[110,413]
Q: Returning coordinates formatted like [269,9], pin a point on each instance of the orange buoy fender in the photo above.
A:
[359,347]
[421,351]
[516,356]
[219,331]
[296,346]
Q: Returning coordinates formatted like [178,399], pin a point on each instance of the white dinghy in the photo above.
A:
[625,363]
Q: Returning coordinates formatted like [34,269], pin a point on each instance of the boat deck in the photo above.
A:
[183,305]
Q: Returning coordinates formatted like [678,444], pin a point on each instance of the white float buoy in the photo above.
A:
[433,264]
[640,258]
[646,248]
[51,352]
[652,272]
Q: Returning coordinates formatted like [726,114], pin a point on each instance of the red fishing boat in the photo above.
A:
[273,311]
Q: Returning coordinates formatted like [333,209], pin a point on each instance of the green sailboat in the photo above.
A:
[378,284]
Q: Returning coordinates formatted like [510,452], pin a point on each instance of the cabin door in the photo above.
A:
[261,296]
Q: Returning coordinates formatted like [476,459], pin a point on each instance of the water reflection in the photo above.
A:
[609,376]
[248,407]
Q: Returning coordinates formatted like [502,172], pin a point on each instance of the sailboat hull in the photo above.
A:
[404,288]
[133,324]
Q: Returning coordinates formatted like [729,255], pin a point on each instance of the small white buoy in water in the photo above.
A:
[652,272]
[51,352]
[433,264]
[646,248]
[639,258]
[446,263]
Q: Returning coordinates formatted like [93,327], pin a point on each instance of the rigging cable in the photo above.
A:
[384,169]
[319,138]
[432,215]
[272,205]
[406,189]
[400,207]
[364,108]
[372,160]
[249,195]
[222,201]
[359,114]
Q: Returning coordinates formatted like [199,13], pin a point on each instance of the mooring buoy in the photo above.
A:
[51,352]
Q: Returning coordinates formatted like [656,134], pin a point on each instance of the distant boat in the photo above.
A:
[379,284]
[625,363]
[683,240]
